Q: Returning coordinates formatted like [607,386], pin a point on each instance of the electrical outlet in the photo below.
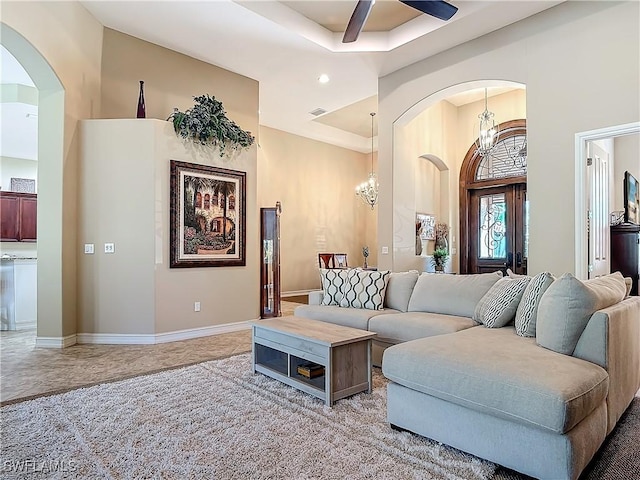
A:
[196,307]
[88,248]
[109,248]
[385,250]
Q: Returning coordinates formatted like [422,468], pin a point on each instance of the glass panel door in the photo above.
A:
[498,222]
[492,227]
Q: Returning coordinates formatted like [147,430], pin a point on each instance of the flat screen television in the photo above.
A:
[631,199]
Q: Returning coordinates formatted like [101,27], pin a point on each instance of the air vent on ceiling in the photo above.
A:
[317,112]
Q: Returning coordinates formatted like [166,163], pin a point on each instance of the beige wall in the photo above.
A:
[17,168]
[626,158]
[166,297]
[547,53]
[125,200]
[315,182]
[171,80]
[63,51]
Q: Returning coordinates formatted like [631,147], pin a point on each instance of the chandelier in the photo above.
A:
[488,130]
[368,191]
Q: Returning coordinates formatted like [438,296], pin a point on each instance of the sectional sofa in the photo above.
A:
[538,397]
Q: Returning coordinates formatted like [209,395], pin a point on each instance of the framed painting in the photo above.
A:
[427,226]
[208,216]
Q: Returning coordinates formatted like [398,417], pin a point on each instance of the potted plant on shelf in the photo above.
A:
[439,258]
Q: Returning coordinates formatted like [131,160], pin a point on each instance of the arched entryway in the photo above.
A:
[493,204]
[51,297]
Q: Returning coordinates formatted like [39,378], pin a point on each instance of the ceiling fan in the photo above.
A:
[439,9]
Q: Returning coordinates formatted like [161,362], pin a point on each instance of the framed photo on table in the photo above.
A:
[207,216]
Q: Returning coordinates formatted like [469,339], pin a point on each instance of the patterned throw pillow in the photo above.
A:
[365,289]
[498,306]
[527,312]
[333,285]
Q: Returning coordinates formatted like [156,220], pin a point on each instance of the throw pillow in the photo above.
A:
[365,289]
[567,306]
[527,312]
[498,306]
[400,288]
[333,284]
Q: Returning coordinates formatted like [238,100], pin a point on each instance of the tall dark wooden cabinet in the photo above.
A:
[625,252]
[270,264]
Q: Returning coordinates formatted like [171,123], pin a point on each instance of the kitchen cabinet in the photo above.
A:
[18,217]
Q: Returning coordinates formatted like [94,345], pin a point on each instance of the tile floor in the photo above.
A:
[27,371]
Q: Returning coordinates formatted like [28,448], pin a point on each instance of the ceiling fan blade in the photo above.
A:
[439,9]
[358,18]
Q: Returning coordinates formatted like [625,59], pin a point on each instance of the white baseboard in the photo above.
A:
[117,338]
[295,293]
[151,339]
[25,325]
[56,342]
[202,331]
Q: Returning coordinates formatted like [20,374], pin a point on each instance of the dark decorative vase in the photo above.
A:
[142,113]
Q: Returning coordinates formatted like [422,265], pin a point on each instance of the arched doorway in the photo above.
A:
[52,304]
[493,204]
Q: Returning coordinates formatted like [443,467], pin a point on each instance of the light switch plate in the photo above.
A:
[88,248]
[109,248]
[385,250]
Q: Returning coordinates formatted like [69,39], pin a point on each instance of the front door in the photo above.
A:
[498,229]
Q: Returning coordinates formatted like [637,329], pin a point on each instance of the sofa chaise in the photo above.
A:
[538,397]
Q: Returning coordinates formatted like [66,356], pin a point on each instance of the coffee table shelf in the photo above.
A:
[281,344]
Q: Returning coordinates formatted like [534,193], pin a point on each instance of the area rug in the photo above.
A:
[218,420]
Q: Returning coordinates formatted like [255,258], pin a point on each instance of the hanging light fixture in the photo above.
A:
[488,130]
[368,191]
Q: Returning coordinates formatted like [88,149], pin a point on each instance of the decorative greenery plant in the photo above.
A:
[207,123]
[439,258]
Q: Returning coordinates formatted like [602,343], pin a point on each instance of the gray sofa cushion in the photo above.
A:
[500,373]
[402,327]
[567,305]
[450,294]
[399,289]
[348,317]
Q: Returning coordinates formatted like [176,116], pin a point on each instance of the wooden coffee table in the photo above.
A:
[282,344]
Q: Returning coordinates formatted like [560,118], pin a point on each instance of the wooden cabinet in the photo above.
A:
[625,252]
[270,264]
[18,217]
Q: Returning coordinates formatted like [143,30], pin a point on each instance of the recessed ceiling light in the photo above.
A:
[324,78]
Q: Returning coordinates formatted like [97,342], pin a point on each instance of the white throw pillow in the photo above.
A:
[498,306]
[527,312]
[333,285]
[365,289]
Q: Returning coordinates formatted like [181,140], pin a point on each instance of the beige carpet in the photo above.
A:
[217,420]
